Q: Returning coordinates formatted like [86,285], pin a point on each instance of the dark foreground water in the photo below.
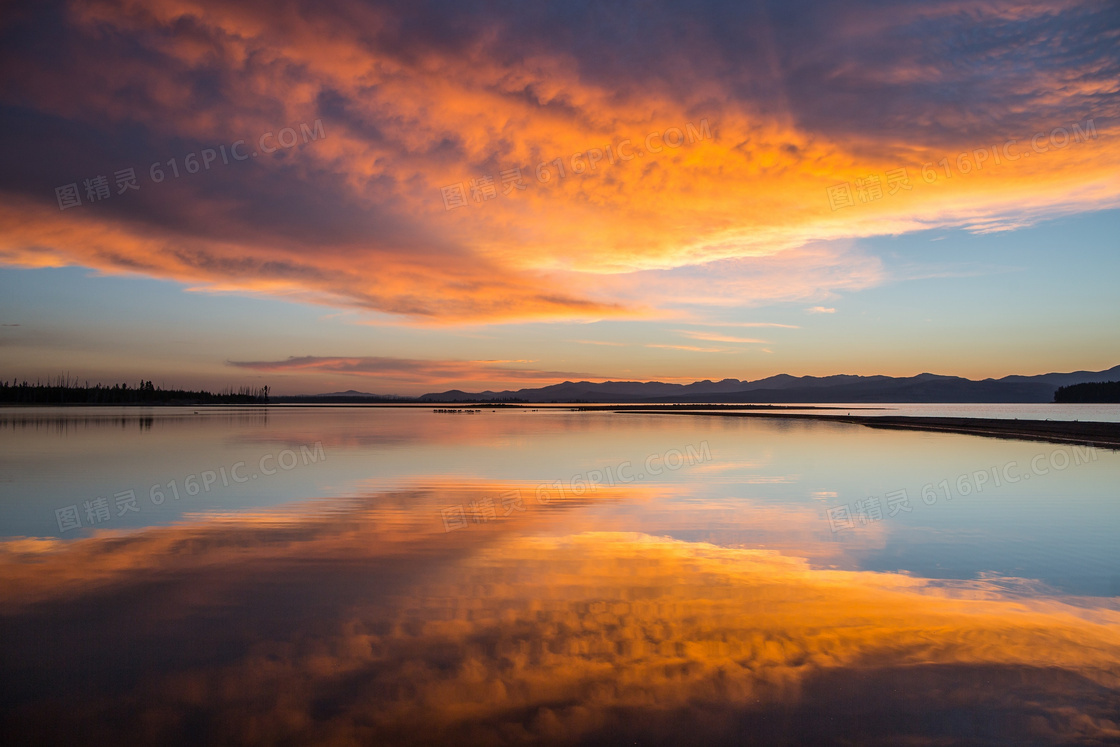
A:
[396,576]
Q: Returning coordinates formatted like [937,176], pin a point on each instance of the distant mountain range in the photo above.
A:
[784,388]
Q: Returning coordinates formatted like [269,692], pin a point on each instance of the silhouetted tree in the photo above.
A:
[67,391]
[1095,392]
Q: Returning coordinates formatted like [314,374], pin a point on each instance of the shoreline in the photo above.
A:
[1088,433]
[1102,434]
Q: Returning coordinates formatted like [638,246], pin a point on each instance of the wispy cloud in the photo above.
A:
[600,342]
[745,324]
[712,337]
[820,310]
[690,348]
[412,371]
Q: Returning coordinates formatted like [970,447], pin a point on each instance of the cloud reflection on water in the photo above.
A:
[365,622]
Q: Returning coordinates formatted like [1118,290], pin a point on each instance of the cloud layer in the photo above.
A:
[768,105]
[406,371]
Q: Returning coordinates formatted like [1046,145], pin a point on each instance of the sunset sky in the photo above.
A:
[417,196]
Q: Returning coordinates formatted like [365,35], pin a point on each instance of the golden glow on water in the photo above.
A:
[434,578]
[366,620]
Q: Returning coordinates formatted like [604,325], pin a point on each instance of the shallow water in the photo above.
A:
[402,576]
[1002,411]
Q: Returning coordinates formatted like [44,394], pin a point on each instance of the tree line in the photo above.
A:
[1097,392]
[67,391]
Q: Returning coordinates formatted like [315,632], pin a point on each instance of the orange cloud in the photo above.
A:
[723,168]
[689,348]
[411,371]
[713,337]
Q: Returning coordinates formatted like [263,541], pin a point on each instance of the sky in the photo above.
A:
[412,197]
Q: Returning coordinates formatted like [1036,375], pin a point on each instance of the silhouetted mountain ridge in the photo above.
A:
[785,388]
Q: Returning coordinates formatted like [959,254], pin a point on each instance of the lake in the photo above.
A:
[545,575]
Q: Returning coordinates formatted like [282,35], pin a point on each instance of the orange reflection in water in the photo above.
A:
[369,623]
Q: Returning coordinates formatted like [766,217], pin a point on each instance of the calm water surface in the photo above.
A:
[367,575]
[1002,411]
